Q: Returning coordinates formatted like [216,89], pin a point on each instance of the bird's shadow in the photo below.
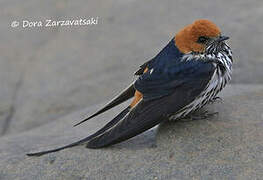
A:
[148,139]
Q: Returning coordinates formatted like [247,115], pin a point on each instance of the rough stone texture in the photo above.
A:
[227,146]
[49,72]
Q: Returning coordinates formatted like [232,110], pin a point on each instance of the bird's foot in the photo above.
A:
[215,99]
[199,116]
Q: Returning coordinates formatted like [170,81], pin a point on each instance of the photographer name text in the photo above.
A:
[56,23]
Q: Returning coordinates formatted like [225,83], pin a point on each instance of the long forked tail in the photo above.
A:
[82,141]
[123,96]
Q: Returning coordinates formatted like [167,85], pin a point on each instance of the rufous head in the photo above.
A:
[195,37]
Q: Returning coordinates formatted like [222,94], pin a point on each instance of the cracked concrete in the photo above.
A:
[12,108]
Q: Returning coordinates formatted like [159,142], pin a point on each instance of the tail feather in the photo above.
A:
[142,117]
[123,96]
[82,141]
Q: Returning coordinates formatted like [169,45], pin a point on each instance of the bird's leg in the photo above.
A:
[215,99]
[199,116]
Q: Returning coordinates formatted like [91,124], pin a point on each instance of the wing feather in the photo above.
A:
[122,97]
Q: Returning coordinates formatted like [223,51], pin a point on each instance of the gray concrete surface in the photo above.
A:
[227,146]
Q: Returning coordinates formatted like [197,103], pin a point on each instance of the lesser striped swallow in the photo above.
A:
[188,73]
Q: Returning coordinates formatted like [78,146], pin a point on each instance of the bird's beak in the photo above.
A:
[222,38]
[216,44]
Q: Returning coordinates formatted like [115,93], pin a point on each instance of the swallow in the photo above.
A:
[187,73]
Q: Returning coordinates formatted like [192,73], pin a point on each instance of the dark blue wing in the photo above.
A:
[167,72]
[177,82]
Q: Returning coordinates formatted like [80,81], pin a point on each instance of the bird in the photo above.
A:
[185,75]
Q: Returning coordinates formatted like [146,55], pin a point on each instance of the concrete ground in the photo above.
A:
[227,146]
[47,73]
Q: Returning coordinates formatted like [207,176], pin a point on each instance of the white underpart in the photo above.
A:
[217,82]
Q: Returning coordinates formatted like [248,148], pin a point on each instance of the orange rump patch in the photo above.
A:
[137,96]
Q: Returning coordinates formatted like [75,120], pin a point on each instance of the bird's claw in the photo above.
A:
[216,99]
[201,116]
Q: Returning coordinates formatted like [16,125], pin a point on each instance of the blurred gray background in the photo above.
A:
[49,72]
[51,78]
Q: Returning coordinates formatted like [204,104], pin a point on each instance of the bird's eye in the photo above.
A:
[202,39]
